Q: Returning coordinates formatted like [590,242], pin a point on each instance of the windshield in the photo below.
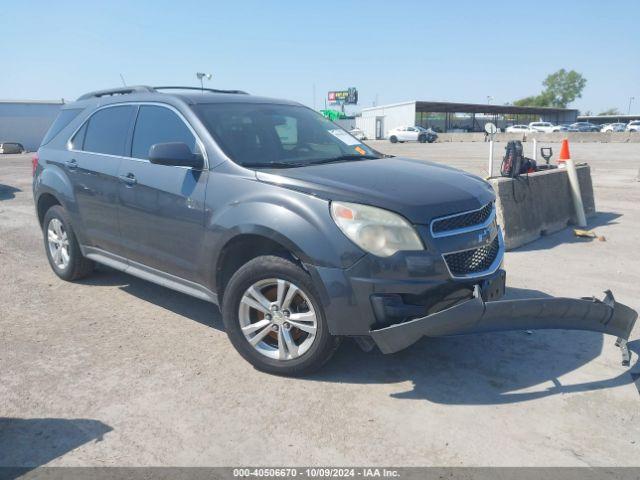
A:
[265,135]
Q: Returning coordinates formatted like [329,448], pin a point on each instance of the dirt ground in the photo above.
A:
[117,371]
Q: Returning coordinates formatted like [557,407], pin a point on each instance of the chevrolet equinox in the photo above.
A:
[301,233]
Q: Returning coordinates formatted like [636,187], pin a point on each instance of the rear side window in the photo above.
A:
[77,142]
[108,129]
[159,125]
[63,119]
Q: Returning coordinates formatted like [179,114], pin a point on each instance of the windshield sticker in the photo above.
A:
[360,150]
[344,137]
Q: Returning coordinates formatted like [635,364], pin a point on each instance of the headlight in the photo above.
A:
[375,230]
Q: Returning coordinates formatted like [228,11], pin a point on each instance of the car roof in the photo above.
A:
[188,95]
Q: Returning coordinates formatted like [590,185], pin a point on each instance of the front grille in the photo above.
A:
[473,261]
[462,220]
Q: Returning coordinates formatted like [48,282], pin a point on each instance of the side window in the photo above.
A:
[77,142]
[108,129]
[159,125]
[63,119]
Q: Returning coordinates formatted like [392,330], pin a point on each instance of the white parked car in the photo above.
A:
[614,127]
[633,126]
[541,127]
[517,129]
[359,134]
[412,134]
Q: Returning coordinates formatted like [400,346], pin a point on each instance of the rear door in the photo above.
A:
[162,207]
[96,151]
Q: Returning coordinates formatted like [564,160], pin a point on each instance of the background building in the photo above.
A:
[454,117]
[26,121]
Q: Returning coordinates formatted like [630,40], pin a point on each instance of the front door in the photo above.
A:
[411,134]
[162,207]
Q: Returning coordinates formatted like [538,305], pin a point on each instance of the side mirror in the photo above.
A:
[175,154]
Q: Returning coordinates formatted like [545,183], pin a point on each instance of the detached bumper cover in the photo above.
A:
[477,316]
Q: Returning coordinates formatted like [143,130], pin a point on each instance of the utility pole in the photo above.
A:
[314,96]
[631,99]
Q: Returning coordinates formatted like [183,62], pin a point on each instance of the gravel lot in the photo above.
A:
[117,371]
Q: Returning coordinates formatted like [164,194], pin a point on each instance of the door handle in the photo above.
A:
[129,179]
[71,164]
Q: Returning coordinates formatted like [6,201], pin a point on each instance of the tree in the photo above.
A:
[542,100]
[560,89]
[610,111]
[564,87]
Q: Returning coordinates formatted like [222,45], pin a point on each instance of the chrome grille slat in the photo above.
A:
[450,224]
[474,262]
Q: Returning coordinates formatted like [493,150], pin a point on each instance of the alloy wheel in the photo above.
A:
[278,319]
[58,242]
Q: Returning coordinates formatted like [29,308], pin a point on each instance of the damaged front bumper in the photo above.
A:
[477,316]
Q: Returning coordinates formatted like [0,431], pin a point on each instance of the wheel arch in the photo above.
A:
[53,187]
[246,245]
[44,203]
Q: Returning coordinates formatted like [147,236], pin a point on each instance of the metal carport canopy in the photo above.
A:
[485,108]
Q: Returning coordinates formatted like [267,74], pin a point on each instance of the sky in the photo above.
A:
[459,51]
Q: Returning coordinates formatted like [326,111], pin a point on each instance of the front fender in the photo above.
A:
[300,222]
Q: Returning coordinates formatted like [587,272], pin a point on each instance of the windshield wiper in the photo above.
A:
[274,164]
[345,158]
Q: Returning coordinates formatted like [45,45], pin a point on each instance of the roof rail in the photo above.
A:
[117,91]
[211,90]
[148,89]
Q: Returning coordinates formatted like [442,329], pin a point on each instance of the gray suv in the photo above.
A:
[301,233]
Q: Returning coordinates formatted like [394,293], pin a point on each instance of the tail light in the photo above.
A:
[34,165]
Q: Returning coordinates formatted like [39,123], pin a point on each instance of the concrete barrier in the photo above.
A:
[539,204]
[556,137]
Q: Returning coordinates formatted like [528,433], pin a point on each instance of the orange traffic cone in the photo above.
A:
[564,151]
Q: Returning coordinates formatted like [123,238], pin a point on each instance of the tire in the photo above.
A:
[393,139]
[238,310]
[76,266]
[422,138]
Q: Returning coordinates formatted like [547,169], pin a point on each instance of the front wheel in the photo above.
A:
[422,138]
[274,319]
[393,139]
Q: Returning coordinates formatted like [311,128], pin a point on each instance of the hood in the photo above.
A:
[418,190]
